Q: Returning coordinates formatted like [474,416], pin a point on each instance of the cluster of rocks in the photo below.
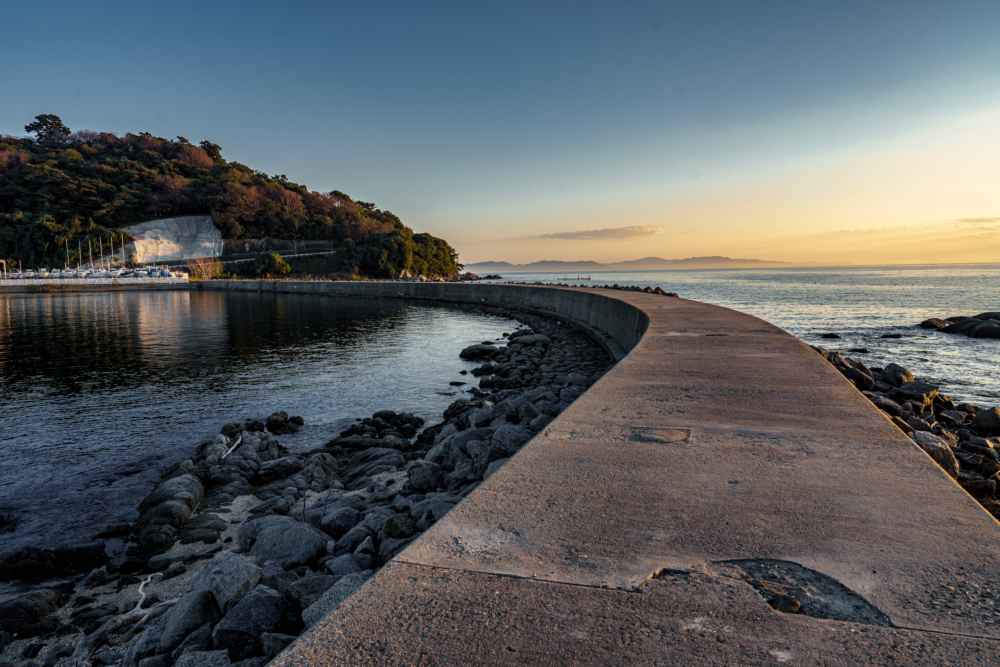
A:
[961,438]
[627,288]
[319,524]
[983,325]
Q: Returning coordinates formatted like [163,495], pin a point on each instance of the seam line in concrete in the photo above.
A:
[634,591]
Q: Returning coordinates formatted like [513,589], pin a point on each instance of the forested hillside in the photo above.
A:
[60,186]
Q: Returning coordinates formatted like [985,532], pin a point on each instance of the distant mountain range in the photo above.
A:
[645,264]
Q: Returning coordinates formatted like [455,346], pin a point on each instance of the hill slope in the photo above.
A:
[60,187]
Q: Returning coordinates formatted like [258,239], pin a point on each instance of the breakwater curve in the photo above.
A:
[722,493]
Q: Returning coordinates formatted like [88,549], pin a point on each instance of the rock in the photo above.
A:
[933,323]
[530,339]
[400,526]
[884,404]
[261,610]
[366,547]
[23,615]
[249,531]
[895,375]
[861,380]
[97,577]
[277,421]
[986,488]
[277,505]
[258,661]
[306,591]
[157,661]
[371,462]
[426,476]
[985,330]
[89,620]
[337,593]
[175,570]
[987,421]
[32,563]
[199,640]
[279,580]
[105,658]
[921,392]
[229,577]
[392,546]
[192,611]
[148,641]
[337,523]
[476,352]
[830,335]
[938,450]
[275,643]
[343,565]
[290,544]
[280,469]
[117,530]
[203,659]
[320,470]
[352,540]
[540,422]
[186,489]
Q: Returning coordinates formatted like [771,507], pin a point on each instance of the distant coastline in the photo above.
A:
[644,264]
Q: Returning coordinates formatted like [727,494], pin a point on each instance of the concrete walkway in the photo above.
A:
[720,452]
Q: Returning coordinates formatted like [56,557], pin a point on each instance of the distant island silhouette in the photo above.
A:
[644,264]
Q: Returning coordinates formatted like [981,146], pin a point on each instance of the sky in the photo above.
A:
[801,131]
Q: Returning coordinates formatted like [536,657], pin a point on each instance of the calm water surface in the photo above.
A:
[861,304]
[101,391]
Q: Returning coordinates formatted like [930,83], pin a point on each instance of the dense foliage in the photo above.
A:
[62,187]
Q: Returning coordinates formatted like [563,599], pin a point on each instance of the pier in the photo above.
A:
[721,496]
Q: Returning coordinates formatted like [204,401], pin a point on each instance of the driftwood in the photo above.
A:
[233,448]
[88,647]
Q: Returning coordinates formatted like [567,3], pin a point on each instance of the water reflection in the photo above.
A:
[100,390]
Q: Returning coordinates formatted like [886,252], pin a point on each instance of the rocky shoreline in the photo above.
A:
[245,545]
[963,439]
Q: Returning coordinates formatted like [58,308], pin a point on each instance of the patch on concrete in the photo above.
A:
[660,436]
[793,589]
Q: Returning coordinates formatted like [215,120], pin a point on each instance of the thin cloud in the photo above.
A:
[610,233]
[869,232]
[978,221]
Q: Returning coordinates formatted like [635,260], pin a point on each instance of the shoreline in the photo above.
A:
[380,475]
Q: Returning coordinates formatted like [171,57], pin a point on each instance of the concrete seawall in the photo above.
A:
[720,472]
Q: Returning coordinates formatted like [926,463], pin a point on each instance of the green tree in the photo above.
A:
[271,264]
[47,126]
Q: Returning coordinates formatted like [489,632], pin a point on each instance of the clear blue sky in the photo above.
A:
[470,118]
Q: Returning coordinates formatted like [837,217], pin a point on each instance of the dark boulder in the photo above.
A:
[477,352]
[289,544]
[191,612]
[895,375]
[987,422]
[426,476]
[280,469]
[33,564]
[24,615]
[261,610]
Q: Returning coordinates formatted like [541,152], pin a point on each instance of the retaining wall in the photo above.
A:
[616,325]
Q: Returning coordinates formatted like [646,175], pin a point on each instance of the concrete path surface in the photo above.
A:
[722,465]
